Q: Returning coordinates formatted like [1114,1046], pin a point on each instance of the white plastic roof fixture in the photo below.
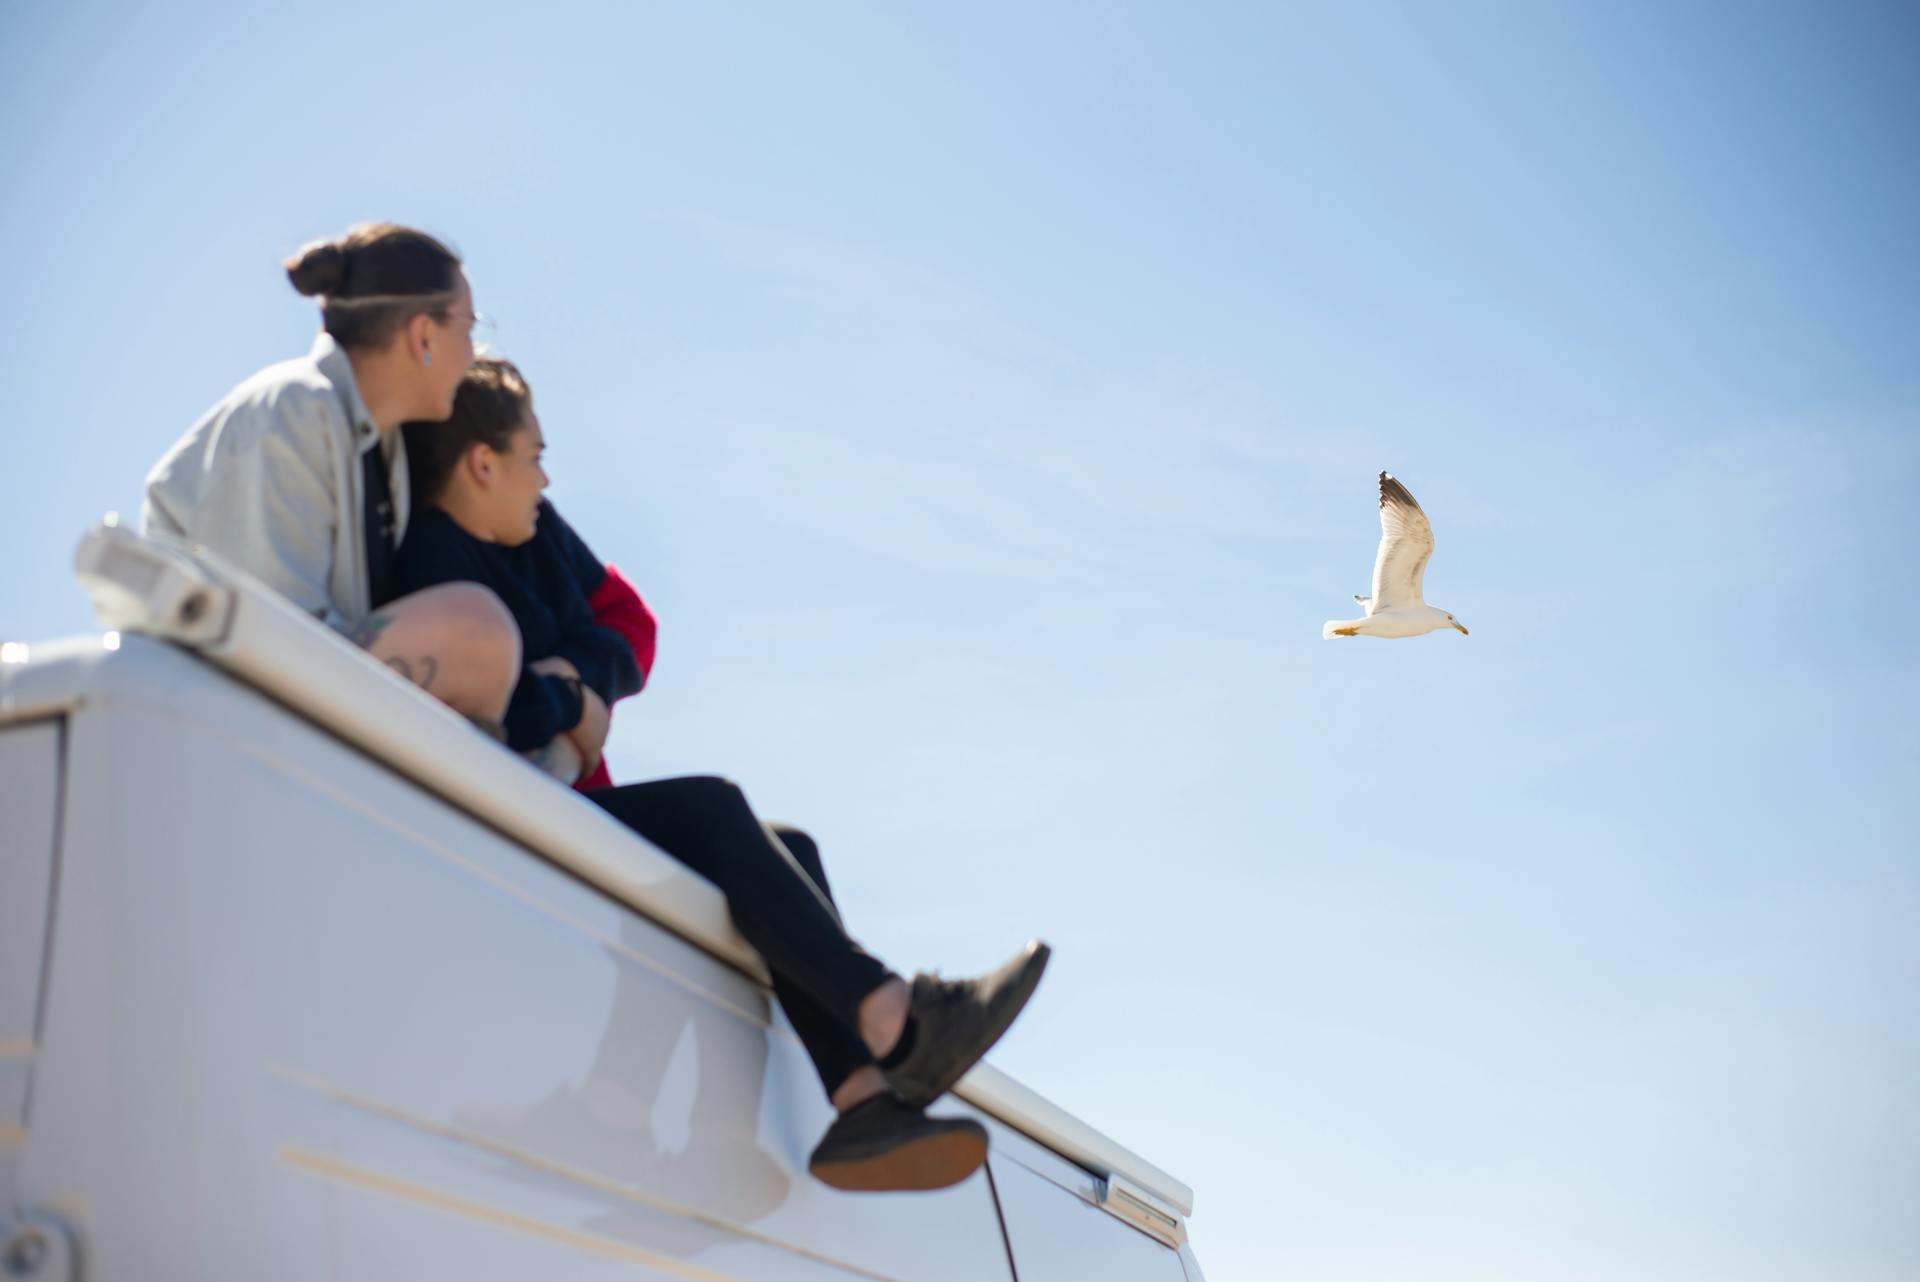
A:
[156,587]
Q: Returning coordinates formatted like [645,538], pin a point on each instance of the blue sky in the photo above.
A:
[989,399]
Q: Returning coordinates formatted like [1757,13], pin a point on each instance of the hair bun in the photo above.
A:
[319,269]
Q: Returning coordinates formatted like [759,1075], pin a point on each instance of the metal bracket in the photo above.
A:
[146,585]
[1143,1210]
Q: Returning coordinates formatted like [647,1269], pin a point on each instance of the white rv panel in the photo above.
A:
[367,1028]
[1057,1236]
[30,763]
[30,767]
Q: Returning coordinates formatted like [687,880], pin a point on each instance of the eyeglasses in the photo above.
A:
[481,327]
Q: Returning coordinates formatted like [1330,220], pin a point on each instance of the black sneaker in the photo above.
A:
[885,1145]
[954,1021]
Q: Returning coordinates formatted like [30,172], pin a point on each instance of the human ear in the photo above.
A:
[480,463]
[419,338]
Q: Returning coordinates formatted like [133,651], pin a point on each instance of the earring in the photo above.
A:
[426,358]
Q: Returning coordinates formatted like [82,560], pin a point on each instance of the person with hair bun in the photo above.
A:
[298,476]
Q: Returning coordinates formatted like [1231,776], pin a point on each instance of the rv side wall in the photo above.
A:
[305,1021]
[29,808]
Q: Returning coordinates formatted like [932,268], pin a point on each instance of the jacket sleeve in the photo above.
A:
[604,661]
[256,485]
[579,558]
[604,656]
[542,709]
[618,605]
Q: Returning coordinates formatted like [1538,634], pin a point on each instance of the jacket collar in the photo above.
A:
[331,358]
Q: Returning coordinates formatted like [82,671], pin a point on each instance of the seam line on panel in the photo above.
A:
[57,861]
[1006,1239]
[557,1169]
[406,1190]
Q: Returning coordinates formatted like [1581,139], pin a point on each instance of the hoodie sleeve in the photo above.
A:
[256,484]
[604,656]
[617,604]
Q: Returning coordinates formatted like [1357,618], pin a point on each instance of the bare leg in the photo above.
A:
[883,1016]
[456,641]
[862,1085]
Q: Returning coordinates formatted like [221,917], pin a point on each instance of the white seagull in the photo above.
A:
[1396,608]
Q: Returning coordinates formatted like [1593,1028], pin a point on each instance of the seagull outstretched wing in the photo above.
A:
[1406,541]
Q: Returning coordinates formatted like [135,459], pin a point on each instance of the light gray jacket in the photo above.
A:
[270,480]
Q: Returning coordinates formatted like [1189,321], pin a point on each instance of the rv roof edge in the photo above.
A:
[1029,1112]
[140,584]
[39,680]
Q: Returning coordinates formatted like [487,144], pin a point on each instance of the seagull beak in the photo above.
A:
[1463,631]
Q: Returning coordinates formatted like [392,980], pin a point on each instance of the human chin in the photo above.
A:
[523,532]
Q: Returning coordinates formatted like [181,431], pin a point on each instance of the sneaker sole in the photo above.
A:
[935,1162]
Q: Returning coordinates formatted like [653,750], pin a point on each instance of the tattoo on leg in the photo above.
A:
[401,666]
[368,630]
[429,669]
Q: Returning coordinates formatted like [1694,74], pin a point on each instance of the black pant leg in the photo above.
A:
[706,824]
[835,1049]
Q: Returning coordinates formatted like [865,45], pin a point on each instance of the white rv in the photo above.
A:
[302,979]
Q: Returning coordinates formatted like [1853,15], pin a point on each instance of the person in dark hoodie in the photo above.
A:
[884,1048]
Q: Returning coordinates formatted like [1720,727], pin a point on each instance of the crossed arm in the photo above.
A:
[556,710]
[574,753]
[457,642]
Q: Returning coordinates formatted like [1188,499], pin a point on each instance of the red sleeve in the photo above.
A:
[618,606]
